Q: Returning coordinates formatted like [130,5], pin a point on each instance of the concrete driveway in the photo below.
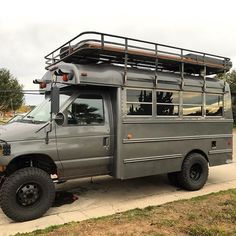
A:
[104,195]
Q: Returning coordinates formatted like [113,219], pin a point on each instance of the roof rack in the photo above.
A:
[96,47]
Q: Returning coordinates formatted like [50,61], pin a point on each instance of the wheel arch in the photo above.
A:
[41,161]
[199,151]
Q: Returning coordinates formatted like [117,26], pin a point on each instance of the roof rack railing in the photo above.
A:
[91,46]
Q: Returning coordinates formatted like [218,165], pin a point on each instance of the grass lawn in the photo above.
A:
[210,215]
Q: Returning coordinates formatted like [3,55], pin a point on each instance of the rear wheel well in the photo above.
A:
[40,161]
[199,152]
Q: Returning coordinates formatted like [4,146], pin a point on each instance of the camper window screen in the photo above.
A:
[139,102]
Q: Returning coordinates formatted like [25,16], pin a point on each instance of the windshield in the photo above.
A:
[41,113]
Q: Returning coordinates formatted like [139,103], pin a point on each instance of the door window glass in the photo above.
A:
[86,110]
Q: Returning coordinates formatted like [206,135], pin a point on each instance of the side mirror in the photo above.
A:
[55,103]
[59,118]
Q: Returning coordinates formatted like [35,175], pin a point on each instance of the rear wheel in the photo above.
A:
[194,173]
[27,194]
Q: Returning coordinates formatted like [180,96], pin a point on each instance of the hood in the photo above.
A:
[18,131]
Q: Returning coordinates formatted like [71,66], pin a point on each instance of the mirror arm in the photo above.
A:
[43,127]
[55,96]
[50,126]
[47,133]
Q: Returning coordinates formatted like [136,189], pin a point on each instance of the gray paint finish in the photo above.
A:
[158,144]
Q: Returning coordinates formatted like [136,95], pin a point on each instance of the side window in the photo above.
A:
[86,110]
[192,104]
[139,102]
[214,105]
[167,103]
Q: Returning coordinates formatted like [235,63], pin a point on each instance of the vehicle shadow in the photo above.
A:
[64,197]
[108,187]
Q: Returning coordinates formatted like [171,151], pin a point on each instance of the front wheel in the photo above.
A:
[27,194]
[194,173]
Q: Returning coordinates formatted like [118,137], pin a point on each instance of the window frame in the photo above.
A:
[202,105]
[75,96]
[212,116]
[180,105]
[148,103]
[172,104]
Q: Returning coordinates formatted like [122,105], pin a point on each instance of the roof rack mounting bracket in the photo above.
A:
[126,61]
[156,66]
[182,69]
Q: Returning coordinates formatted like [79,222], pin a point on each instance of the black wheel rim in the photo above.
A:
[28,194]
[195,172]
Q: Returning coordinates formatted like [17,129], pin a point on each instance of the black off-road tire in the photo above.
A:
[173,179]
[14,190]
[194,173]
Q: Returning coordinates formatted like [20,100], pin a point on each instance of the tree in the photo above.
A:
[11,95]
[230,78]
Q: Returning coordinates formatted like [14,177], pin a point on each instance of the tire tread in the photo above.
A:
[183,176]
[14,179]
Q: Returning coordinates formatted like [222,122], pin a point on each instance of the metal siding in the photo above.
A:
[161,147]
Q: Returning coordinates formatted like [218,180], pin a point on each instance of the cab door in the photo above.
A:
[85,141]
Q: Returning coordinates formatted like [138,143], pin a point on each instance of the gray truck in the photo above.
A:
[117,106]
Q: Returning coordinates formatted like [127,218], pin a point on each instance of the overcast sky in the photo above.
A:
[31,29]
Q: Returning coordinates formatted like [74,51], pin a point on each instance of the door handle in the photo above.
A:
[106,142]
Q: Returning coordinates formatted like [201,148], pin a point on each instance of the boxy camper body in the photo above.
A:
[124,107]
